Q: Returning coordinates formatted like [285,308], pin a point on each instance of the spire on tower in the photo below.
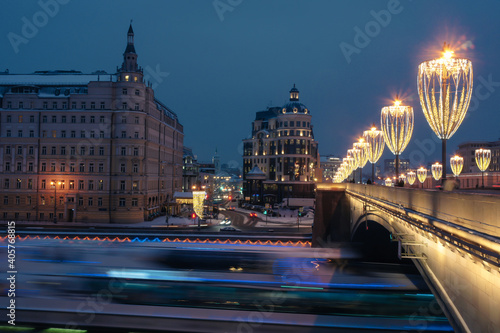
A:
[130,56]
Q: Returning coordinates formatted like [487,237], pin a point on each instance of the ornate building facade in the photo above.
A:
[87,147]
[281,159]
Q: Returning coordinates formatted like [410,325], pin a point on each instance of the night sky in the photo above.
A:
[218,62]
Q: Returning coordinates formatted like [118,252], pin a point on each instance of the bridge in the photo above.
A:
[452,237]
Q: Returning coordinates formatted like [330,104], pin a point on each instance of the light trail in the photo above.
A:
[168,240]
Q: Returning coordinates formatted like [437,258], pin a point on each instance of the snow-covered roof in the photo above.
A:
[183,195]
[53,79]
[256,171]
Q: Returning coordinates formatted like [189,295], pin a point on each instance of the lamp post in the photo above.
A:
[354,154]
[437,170]
[456,163]
[402,178]
[388,181]
[411,176]
[483,158]
[54,183]
[397,125]
[376,143]
[445,90]
[422,175]
[362,151]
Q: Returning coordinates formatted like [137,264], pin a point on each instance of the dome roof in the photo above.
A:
[293,106]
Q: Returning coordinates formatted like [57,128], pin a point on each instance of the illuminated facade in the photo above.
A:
[281,159]
[329,165]
[112,149]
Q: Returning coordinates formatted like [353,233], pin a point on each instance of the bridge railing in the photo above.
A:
[480,212]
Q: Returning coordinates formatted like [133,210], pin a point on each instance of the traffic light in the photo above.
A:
[193,216]
[265,212]
[230,198]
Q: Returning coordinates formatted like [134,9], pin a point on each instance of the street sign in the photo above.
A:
[267,206]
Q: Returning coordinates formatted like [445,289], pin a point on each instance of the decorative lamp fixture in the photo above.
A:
[422,175]
[457,164]
[483,159]
[198,200]
[362,151]
[437,170]
[397,126]
[376,144]
[445,90]
[411,177]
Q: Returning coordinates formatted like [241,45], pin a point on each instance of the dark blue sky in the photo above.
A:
[223,67]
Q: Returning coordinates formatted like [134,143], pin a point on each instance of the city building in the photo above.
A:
[468,151]
[190,170]
[96,148]
[329,165]
[281,159]
[390,166]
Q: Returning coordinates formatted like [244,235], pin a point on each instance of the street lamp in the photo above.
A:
[388,181]
[437,170]
[354,153]
[376,143]
[362,151]
[397,125]
[445,90]
[422,175]
[402,178]
[54,183]
[483,158]
[411,176]
[457,163]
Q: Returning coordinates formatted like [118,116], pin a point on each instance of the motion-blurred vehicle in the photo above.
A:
[225,222]
[230,229]
[253,214]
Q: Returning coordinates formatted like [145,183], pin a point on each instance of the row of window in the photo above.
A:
[73,119]
[292,123]
[71,168]
[63,134]
[72,185]
[43,201]
[72,150]
[74,106]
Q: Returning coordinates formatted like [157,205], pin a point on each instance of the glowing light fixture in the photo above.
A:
[376,144]
[198,199]
[457,164]
[388,181]
[422,175]
[411,177]
[437,170]
[483,159]
[397,126]
[361,149]
[445,90]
